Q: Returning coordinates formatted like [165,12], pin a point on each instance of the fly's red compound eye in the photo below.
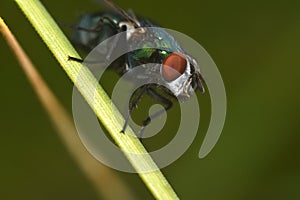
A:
[173,66]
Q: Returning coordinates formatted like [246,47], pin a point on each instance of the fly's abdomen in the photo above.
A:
[95,28]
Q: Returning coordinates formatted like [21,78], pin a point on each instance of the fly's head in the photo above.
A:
[181,74]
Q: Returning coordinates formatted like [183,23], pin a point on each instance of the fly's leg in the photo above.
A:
[133,105]
[75,59]
[200,79]
[103,20]
[168,104]
[81,61]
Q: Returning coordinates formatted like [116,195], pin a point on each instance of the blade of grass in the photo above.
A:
[131,146]
[103,179]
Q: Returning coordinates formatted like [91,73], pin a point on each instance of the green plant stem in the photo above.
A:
[105,181]
[97,99]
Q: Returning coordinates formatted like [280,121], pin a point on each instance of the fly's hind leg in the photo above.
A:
[75,59]
[102,21]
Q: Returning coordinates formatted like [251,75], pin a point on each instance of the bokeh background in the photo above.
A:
[255,44]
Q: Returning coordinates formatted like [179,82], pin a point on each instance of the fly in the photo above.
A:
[178,70]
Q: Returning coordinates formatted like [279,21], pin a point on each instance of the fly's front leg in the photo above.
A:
[132,105]
[168,104]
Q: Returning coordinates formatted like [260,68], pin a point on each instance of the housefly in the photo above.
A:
[177,70]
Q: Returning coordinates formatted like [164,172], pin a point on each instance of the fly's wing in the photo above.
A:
[133,15]
[122,12]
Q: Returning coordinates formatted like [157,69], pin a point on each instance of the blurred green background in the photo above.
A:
[256,46]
